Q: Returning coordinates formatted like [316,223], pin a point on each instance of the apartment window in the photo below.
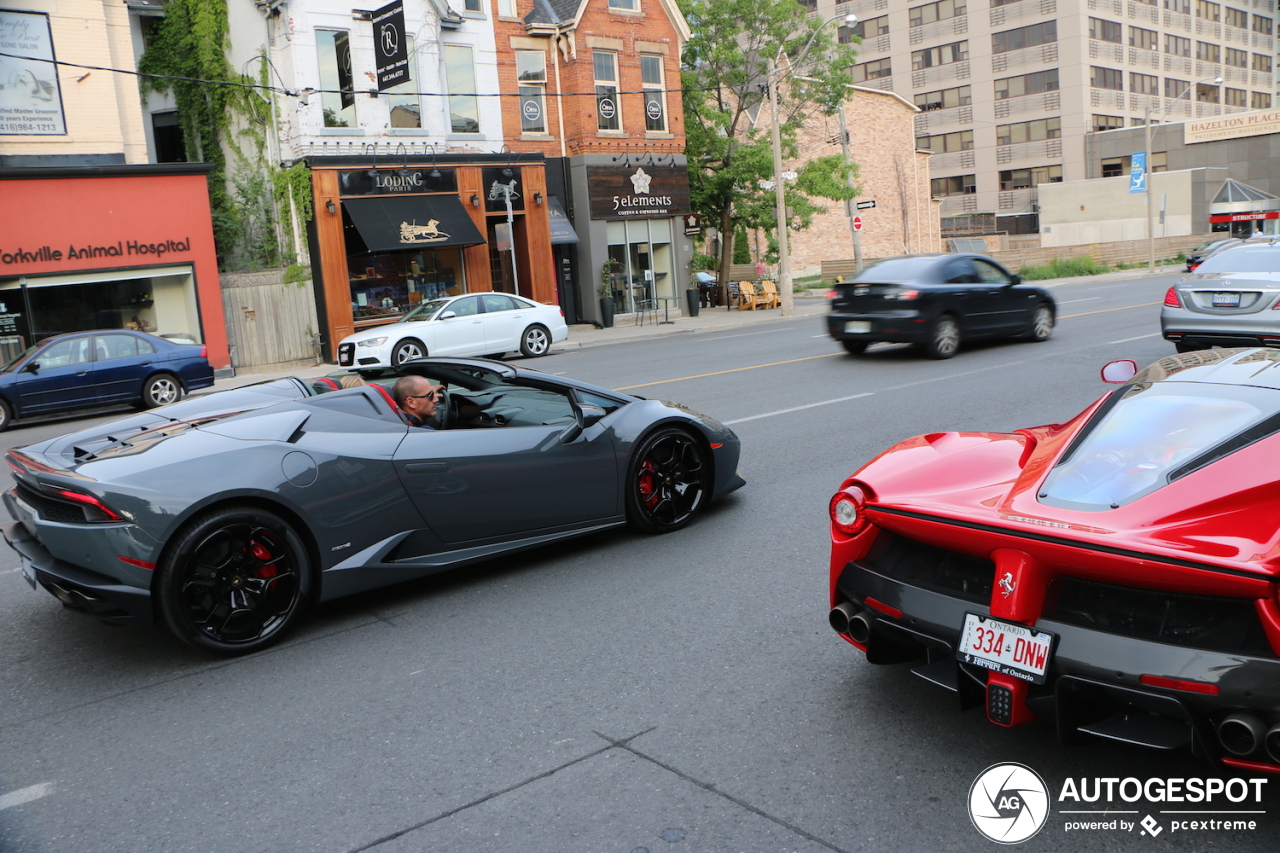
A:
[940,11]
[473,5]
[1102,30]
[1262,25]
[809,5]
[1027,84]
[1236,18]
[945,99]
[1144,84]
[1029,131]
[1237,58]
[1101,123]
[1107,78]
[944,143]
[864,71]
[1208,94]
[402,99]
[531,76]
[1041,33]
[607,108]
[995,3]
[333,51]
[1260,100]
[955,185]
[1208,11]
[507,8]
[1145,39]
[1114,167]
[655,96]
[1181,6]
[632,5]
[865,29]
[1261,62]
[1175,88]
[1020,179]
[460,78]
[1159,161]
[1177,45]
[1207,52]
[941,55]
[1236,98]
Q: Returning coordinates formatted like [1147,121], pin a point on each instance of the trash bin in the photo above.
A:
[694,297]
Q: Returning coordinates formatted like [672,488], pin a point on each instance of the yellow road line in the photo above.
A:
[1105,310]
[732,370]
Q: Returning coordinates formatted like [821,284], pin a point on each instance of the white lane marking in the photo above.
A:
[1138,338]
[25,795]
[10,571]
[1086,299]
[798,408]
[747,335]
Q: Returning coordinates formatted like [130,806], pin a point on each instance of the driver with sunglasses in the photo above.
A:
[416,397]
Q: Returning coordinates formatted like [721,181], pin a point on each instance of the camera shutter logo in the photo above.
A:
[1008,803]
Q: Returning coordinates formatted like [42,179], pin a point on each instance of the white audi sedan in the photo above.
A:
[473,324]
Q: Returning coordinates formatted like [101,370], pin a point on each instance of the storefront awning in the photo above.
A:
[561,228]
[412,223]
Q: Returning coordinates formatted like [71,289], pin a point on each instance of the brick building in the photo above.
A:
[893,173]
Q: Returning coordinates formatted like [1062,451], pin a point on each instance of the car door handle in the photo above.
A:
[81,372]
[148,361]
[427,467]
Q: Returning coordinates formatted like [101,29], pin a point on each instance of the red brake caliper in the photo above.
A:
[648,494]
[268,569]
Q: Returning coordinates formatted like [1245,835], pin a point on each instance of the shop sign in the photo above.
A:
[500,184]
[396,181]
[638,192]
[342,47]
[1244,217]
[392,46]
[692,224]
[30,95]
[134,249]
[1235,126]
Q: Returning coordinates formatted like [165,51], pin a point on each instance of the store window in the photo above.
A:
[655,96]
[388,285]
[608,111]
[531,73]
[642,252]
[402,99]
[337,97]
[460,77]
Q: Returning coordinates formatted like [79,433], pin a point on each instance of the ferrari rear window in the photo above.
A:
[1153,434]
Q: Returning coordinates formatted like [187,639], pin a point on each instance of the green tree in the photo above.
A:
[727,118]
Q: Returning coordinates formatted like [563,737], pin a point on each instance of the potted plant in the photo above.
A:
[608,269]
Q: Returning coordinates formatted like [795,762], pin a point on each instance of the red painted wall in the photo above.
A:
[165,217]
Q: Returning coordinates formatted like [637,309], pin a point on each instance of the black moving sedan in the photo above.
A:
[937,302]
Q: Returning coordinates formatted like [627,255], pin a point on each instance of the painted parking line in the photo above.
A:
[1138,338]
[25,795]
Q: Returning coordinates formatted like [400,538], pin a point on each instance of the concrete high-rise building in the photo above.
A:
[1009,88]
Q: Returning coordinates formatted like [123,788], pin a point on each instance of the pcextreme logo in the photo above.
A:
[1009,803]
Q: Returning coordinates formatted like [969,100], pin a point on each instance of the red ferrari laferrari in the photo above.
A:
[1116,575]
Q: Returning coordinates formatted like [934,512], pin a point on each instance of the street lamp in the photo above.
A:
[785,285]
[1151,239]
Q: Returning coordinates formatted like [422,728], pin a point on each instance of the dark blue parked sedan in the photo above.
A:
[99,368]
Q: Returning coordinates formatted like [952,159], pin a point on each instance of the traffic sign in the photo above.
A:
[864,205]
[857,223]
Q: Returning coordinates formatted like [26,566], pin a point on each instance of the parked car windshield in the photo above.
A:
[1150,433]
[424,311]
[1243,259]
[895,270]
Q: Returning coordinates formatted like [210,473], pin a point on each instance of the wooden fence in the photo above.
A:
[268,320]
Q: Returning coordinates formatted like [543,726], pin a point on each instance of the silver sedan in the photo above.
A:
[1232,300]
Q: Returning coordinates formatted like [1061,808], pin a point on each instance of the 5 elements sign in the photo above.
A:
[638,192]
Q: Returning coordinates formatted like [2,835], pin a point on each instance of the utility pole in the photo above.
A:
[785,287]
[850,205]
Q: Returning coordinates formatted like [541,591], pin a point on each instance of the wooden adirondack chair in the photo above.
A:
[747,298]
[768,295]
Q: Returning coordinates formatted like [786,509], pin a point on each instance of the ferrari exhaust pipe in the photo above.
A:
[860,626]
[1272,743]
[840,615]
[1241,734]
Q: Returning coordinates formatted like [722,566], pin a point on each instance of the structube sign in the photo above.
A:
[30,97]
[392,47]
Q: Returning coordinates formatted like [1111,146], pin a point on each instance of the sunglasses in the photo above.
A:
[430,395]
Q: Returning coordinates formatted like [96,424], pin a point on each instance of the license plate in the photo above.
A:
[1005,647]
[29,572]
[857,327]
[1226,300]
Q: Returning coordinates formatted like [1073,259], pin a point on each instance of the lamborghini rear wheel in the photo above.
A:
[234,580]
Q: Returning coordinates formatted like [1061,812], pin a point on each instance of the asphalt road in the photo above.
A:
[620,693]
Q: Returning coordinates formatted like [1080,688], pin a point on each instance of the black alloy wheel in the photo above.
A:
[667,481]
[854,347]
[944,338]
[536,341]
[234,580]
[406,350]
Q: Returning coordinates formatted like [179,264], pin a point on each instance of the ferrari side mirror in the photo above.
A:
[1119,372]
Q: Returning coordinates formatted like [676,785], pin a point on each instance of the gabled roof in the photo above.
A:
[1233,190]
[554,12]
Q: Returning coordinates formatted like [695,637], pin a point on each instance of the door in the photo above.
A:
[60,378]
[974,299]
[503,322]
[1011,306]
[514,480]
[462,334]
[121,362]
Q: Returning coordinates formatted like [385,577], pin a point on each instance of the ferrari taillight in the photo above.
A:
[1171,298]
[849,510]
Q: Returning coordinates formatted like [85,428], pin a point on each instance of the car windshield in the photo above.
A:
[1148,437]
[1245,259]
[424,311]
[895,270]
